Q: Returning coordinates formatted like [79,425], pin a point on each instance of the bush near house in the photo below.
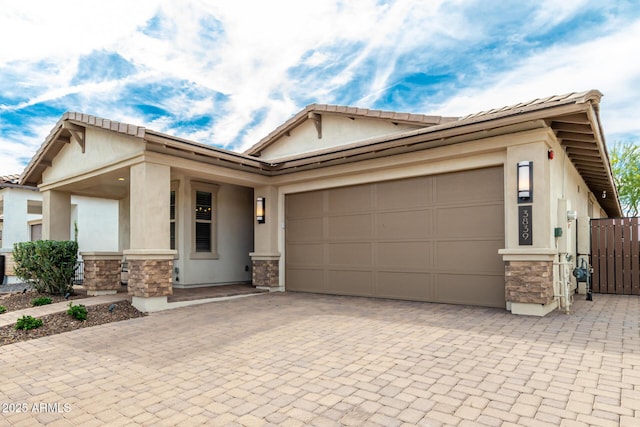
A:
[28,322]
[78,312]
[41,301]
[47,265]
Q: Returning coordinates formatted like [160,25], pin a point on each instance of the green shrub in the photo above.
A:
[2,309]
[78,312]
[28,322]
[41,301]
[47,265]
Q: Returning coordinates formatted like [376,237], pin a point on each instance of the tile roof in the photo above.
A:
[9,179]
[536,104]
[573,117]
[421,120]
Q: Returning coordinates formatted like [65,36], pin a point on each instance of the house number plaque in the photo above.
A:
[525,225]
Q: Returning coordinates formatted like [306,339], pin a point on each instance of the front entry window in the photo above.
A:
[172,219]
[203,221]
[204,197]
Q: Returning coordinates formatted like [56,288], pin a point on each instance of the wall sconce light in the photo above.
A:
[525,182]
[260,210]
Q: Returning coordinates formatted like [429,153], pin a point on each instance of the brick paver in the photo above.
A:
[301,359]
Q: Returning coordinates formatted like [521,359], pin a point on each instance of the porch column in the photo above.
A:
[149,258]
[101,272]
[124,229]
[56,215]
[266,257]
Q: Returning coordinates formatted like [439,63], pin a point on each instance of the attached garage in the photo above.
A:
[432,238]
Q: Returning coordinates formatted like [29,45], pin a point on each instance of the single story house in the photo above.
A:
[21,220]
[491,209]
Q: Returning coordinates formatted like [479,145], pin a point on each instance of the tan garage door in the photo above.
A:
[433,238]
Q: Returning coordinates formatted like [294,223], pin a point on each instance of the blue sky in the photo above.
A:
[227,72]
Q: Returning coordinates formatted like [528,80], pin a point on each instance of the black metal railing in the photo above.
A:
[78,275]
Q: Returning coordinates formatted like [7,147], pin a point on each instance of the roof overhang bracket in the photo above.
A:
[317,122]
[77,132]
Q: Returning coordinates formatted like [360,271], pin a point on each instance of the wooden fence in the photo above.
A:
[615,253]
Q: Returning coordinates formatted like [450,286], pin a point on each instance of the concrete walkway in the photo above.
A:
[300,359]
[10,317]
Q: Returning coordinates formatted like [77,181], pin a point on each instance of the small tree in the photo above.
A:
[47,265]
[625,165]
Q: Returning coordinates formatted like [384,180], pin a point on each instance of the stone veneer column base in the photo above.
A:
[101,272]
[529,281]
[150,273]
[266,270]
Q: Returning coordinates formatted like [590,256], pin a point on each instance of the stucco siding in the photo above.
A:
[97,221]
[101,148]
[16,217]
[336,130]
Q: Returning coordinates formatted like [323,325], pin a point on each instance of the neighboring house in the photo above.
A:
[476,210]
[21,220]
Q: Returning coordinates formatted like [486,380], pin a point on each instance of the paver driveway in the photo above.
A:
[301,359]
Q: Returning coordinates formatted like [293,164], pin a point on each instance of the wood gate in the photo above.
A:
[615,251]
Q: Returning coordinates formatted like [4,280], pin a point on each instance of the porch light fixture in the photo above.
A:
[260,207]
[525,182]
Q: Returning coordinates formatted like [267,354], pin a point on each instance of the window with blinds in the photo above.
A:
[172,219]
[204,220]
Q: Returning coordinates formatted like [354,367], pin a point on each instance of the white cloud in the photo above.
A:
[605,64]
[265,58]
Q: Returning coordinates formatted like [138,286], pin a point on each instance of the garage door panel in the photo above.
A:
[305,229]
[469,256]
[413,255]
[306,279]
[306,254]
[469,186]
[402,285]
[471,289]
[350,227]
[349,282]
[350,199]
[350,254]
[307,204]
[405,194]
[486,220]
[398,225]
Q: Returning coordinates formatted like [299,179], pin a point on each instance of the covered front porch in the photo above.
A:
[184,221]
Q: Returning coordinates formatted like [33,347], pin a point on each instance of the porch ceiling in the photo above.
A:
[108,185]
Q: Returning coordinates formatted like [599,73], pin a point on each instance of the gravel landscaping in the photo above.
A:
[60,322]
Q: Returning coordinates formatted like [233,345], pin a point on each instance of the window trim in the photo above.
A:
[175,187]
[207,188]
[31,224]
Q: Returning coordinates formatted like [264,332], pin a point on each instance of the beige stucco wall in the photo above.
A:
[336,130]
[102,148]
